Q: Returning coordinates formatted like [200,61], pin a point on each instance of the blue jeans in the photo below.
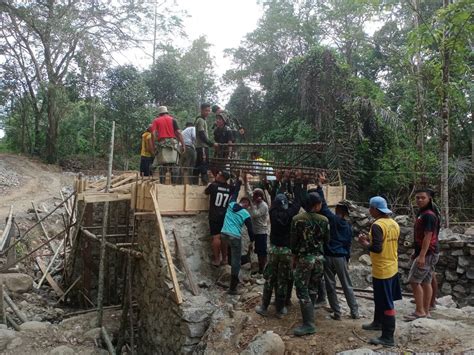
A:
[235,252]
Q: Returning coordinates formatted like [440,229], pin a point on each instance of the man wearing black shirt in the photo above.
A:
[219,195]
[426,253]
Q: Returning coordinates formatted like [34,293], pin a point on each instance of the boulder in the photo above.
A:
[6,337]
[446,301]
[469,231]
[365,259]
[17,282]
[268,343]
[34,325]
[92,334]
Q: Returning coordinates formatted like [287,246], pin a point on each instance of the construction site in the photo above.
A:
[121,264]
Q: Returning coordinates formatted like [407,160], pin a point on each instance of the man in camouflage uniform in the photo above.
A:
[309,232]
[278,273]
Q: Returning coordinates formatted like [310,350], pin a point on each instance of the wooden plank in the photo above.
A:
[164,242]
[123,181]
[49,278]
[104,197]
[127,188]
[184,263]
[6,232]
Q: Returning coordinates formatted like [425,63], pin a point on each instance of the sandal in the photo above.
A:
[412,316]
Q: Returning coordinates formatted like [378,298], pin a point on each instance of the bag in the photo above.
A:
[167,152]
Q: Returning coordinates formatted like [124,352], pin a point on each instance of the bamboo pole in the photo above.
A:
[34,225]
[14,307]
[134,253]
[107,341]
[51,262]
[100,292]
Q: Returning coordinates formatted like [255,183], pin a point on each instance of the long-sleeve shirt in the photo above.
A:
[309,232]
[340,230]
[259,214]
[235,218]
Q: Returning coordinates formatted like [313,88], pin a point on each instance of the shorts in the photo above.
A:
[216,226]
[261,244]
[423,275]
[385,292]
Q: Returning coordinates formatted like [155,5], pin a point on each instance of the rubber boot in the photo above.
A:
[307,311]
[376,323]
[281,310]
[289,291]
[312,297]
[388,329]
[266,297]
[234,281]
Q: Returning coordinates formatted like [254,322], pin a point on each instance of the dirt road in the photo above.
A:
[26,180]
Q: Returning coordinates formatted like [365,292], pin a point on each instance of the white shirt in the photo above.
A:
[189,136]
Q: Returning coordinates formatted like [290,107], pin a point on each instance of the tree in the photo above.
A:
[127,101]
[43,38]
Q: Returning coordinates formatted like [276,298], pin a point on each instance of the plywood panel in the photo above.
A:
[196,200]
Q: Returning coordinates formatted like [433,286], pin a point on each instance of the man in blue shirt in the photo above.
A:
[336,255]
[235,218]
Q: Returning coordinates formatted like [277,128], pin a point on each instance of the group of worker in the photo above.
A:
[309,244]
[165,146]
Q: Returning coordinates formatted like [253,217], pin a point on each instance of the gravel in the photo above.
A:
[8,179]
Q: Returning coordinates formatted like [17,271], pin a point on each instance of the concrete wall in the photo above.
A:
[164,326]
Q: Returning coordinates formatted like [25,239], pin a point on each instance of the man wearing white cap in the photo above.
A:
[382,243]
[166,131]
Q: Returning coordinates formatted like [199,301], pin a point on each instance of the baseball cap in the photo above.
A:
[379,203]
[281,200]
[225,174]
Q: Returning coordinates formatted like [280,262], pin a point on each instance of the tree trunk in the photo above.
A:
[445,127]
[419,107]
[53,120]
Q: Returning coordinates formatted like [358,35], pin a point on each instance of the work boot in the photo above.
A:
[234,281]
[280,307]
[388,329]
[307,312]
[266,297]
[376,323]
[320,302]
[336,316]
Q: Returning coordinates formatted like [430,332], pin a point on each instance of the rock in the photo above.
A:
[93,351]
[445,234]
[451,276]
[469,231]
[267,343]
[62,350]
[459,289]
[447,301]
[460,270]
[224,274]
[17,282]
[3,326]
[365,259]
[6,337]
[34,325]
[458,252]
[15,343]
[362,222]
[446,289]
[463,261]
[92,334]
[359,351]
[470,273]
[403,220]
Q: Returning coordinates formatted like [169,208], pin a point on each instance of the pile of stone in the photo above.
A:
[455,269]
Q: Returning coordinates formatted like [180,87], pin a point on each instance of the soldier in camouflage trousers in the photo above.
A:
[309,232]
[278,271]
